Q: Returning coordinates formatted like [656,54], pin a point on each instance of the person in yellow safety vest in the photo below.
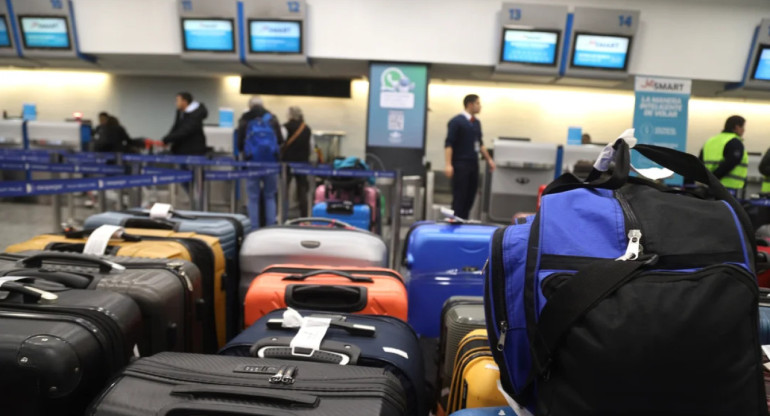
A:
[726,156]
[764,169]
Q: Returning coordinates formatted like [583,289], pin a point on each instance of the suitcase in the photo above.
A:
[169,293]
[202,250]
[190,384]
[391,344]
[463,246]
[370,196]
[486,411]
[59,347]
[230,229]
[475,375]
[334,245]
[357,215]
[366,290]
[764,316]
[763,264]
[460,316]
[428,291]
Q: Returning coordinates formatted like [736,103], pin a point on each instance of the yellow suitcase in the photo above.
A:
[475,375]
[157,244]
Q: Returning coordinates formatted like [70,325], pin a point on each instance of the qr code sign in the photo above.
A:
[396,120]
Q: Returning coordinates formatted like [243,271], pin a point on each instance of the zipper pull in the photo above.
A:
[178,267]
[634,249]
[289,375]
[501,340]
[278,377]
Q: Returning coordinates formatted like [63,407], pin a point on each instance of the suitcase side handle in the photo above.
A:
[331,222]
[174,214]
[355,279]
[34,293]
[38,259]
[151,224]
[70,280]
[272,395]
[208,408]
[330,298]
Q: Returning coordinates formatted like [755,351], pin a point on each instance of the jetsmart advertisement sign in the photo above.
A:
[676,86]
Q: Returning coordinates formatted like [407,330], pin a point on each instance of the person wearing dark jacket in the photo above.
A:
[297,149]
[110,136]
[764,169]
[267,185]
[186,136]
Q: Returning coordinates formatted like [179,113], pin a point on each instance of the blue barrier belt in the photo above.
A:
[344,173]
[62,186]
[63,167]
[242,174]
[24,158]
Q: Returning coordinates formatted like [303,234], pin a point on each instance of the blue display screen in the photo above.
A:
[600,51]
[530,47]
[275,36]
[5,37]
[208,35]
[762,68]
[42,32]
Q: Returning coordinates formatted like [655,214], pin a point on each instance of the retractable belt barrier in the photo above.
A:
[62,186]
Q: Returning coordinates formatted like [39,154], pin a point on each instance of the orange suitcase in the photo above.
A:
[368,290]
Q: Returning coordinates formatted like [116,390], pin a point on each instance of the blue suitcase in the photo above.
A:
[367,340]
[428,291]
[357,215]
[486,411]
[230,229]
[764,316]
[463,246]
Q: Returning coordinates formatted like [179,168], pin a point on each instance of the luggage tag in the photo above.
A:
[100,238]
[766,350]
[518,410]
[161,211]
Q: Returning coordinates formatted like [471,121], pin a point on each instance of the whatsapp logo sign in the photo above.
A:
[393,79]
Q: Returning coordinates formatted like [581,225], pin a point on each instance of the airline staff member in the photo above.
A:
[461,149]
[726,156]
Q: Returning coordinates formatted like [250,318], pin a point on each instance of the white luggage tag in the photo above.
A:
[161,211]
[312,331]
[100,238]
[519,410]
[605,157]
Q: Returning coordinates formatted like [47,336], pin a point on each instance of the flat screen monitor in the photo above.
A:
[601,51]
[5,35]
[45,32]
[208,35]
[275,36]
[537,47]
[762,65]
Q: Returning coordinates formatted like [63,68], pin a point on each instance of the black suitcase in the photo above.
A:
[192,384]
[59,347]
[168,292]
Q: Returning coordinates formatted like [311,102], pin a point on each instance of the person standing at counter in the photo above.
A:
[297,149]
[461,149]
[726,156]
[186,136]
[109,135]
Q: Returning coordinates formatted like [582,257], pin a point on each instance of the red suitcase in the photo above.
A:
[367,290]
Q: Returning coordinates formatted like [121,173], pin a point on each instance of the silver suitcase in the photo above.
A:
[308,245]
[460,316]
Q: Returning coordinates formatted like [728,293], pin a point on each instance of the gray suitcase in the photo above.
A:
[460,315]
[308,245]
[168,292]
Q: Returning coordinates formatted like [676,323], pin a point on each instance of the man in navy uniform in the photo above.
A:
[462,147]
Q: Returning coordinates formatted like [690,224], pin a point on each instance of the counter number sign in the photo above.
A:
[626,20]
[293,6]
[514,14]
[57,4]
[187,5]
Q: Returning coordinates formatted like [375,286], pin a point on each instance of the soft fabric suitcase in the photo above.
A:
[59,347]
[763,265]
[366,290]
[475,375]
[230,229]
[169,293]
[486,411]
[462,246]
[202,250]
[428,291]
[357,215]
[190,384]
[335,245]
[388,343]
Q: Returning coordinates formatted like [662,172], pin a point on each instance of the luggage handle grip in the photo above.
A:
[331,298]
[174,214]
[69,280]
[38,259]
[84,234]
[295,399]
[355,279]
[35,293]
[150,223]
[203,409]
[331,222]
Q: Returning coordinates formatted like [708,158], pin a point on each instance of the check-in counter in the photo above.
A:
[11,134]
[55,135]
[521,168]
[576,153]
[221,141]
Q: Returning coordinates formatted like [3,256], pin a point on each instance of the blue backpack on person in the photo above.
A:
[261,143]
[622,296]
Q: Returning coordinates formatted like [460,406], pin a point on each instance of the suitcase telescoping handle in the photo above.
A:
[212,408]
[38,259]
[355,279]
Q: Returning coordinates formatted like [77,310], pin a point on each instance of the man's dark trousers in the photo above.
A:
[465,182]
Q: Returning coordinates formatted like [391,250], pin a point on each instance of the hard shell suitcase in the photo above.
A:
[390,343]
[191,384]
[486,411]
[366,290]
[230,229]
[428,291]
[59,347]
[336,245]
[370,197]
[168,293]
[475,375]
[463,246]
[357,215]
[202,250]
